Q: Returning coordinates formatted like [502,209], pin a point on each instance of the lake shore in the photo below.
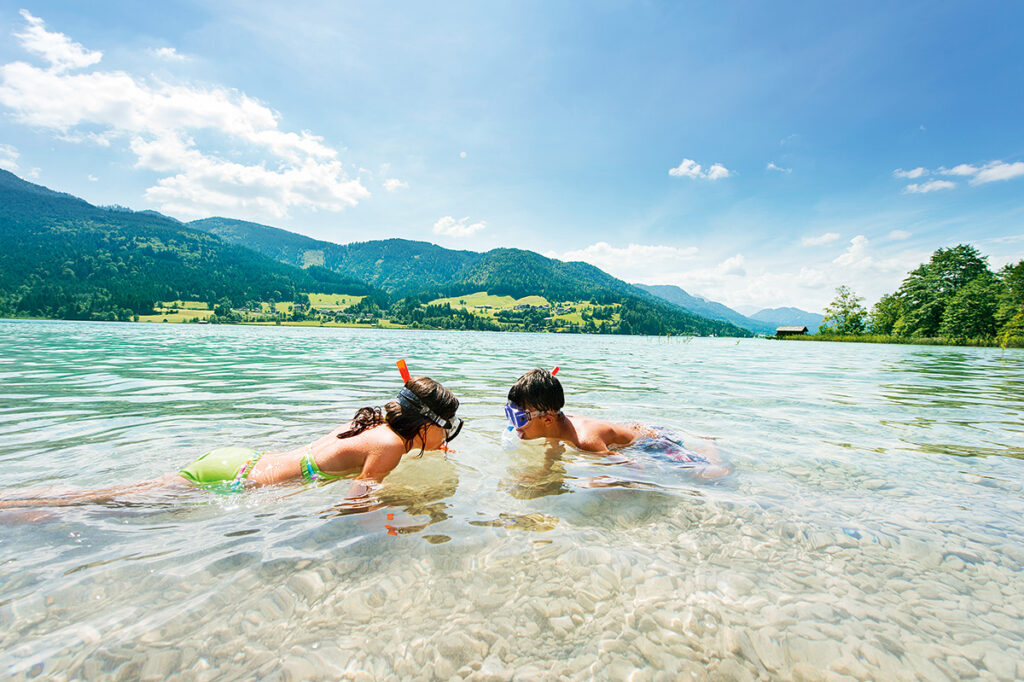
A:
[1014,342]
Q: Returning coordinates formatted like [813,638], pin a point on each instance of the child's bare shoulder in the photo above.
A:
[599,435]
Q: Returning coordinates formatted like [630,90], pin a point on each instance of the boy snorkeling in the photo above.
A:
[534,410]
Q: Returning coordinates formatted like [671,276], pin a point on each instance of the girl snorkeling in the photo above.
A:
[421,417]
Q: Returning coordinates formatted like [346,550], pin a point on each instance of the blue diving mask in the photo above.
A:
[517,418]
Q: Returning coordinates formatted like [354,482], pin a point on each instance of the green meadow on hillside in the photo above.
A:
[478,310]
[529,311]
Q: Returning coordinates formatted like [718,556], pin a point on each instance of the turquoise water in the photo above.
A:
[871,527]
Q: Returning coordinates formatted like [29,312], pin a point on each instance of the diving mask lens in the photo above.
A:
[451,431]
[517,418]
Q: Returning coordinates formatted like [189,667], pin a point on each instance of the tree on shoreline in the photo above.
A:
[955,297]
[845,314]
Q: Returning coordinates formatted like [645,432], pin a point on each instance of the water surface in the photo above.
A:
[871,527]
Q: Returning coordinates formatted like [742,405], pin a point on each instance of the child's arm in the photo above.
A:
[375,468]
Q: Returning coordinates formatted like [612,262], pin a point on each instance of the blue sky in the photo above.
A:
[759,154]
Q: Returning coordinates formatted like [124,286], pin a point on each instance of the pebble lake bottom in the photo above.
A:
[870,528]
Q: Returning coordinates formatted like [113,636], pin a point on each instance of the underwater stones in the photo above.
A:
[617,669]
[581,663]
[353,606]
[960,667]
[735,586]
[848,665]
[653,654]
[1000,664]
[730,669]
[528,673]
[307,584]
[818,652]
[460,648]
[159,665]
[655,588]
[489,601]
[804,672]
[666,620]
[612,643]
[562,625]
[766,646]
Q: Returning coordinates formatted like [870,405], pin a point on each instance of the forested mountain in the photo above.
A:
[425,271]
[788,317]
[706,308]
[62,257]
[399,266]
[65,258]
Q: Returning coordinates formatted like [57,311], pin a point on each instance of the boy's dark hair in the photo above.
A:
[538,390]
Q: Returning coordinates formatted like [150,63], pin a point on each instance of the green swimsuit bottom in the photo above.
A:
[229,467]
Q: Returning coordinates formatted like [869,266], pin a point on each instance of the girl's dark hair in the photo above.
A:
[538,389]
[406,422]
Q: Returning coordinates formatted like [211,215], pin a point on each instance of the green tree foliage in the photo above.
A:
[886,313]
[970,313]
[845,314]
[956,298]
[1011,293]
[927,290]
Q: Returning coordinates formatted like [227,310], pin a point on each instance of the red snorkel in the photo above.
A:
[554,371]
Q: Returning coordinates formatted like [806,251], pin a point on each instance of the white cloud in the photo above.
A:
[772,167]
[910,174]
[156,121]
[733,266]
[820,240]
[33,174]
[168,53]
[750,274]
[462,155]
[856,255]
[9,158]
[691,169]
[962,169]
[633,262]
[688,169]
[56,48]
[457,228]
[993,171]
[393,184]
[997,170]
[717,172]
[897,235]
[930,186]
[91,178]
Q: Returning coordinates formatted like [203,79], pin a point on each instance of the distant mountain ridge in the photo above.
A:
[706,308]
[410,268]
[789,317]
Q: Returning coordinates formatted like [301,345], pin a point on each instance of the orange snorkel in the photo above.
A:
[403,369]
